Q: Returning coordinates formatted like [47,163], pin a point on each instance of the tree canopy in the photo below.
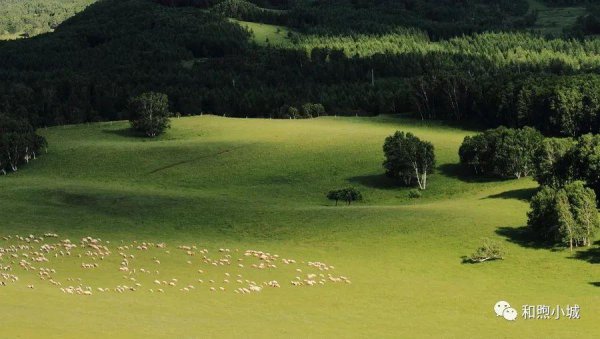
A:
[503,152]
[19,143]
[409,158]
[566,215]
[149,113]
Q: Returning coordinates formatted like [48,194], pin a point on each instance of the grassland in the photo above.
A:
[260,184]
[265,34]
[552,20]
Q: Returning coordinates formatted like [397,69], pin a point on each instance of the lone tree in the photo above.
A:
[348,195]
[149,113]
[408,158]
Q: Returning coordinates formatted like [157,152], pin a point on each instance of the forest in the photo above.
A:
[396,57]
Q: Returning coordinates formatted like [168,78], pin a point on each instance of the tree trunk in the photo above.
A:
[418,176]
[571,243]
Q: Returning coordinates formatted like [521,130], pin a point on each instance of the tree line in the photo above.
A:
[564,210]
[205,63]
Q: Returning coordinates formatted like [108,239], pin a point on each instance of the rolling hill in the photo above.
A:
[260,184]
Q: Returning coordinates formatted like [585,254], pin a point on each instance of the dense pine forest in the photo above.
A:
[480,61]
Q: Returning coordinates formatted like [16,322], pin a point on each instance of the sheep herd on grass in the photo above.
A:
[224,271]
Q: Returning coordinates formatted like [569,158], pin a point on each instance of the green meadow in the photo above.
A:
[260,184]
[553,20]
[265,34]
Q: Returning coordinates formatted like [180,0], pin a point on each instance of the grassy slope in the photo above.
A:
[554,20]
[259,184]
[276,35]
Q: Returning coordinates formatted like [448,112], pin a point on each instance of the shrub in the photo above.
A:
[415,194]
[490,250]
[348,195]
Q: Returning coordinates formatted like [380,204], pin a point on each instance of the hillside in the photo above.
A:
[26,18]
[206,62]
[259,184]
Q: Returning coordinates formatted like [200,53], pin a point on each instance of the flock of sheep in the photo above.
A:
[224,271]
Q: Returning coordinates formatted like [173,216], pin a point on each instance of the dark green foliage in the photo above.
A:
[559,162]
[502,152]
[542,217]
[94,62]
[313,110]
[585,161]
[415,194]
[19,143]
[552,165]
[149,113]
[589,23]
[377,65]
[565,215]
[408,158]
[348,195]
[439,18]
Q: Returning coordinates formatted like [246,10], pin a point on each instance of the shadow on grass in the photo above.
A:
[591,255]
[524,194]
[595,283]
[111,203]
[465,260]
[380,181]
[124,132]
[522,237]
[459,172]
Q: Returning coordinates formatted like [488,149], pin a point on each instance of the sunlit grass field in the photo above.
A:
[260,184]
[265,34]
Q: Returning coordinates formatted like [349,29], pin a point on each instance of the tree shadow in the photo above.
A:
[591,255]
[459,172]
[524,194]
[380,181]
[595,283]
[522,237]
[123,132]
[465,260]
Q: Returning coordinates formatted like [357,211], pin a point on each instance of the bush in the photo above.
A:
[348,195]
[415,194]
[149,113]
[490,250]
